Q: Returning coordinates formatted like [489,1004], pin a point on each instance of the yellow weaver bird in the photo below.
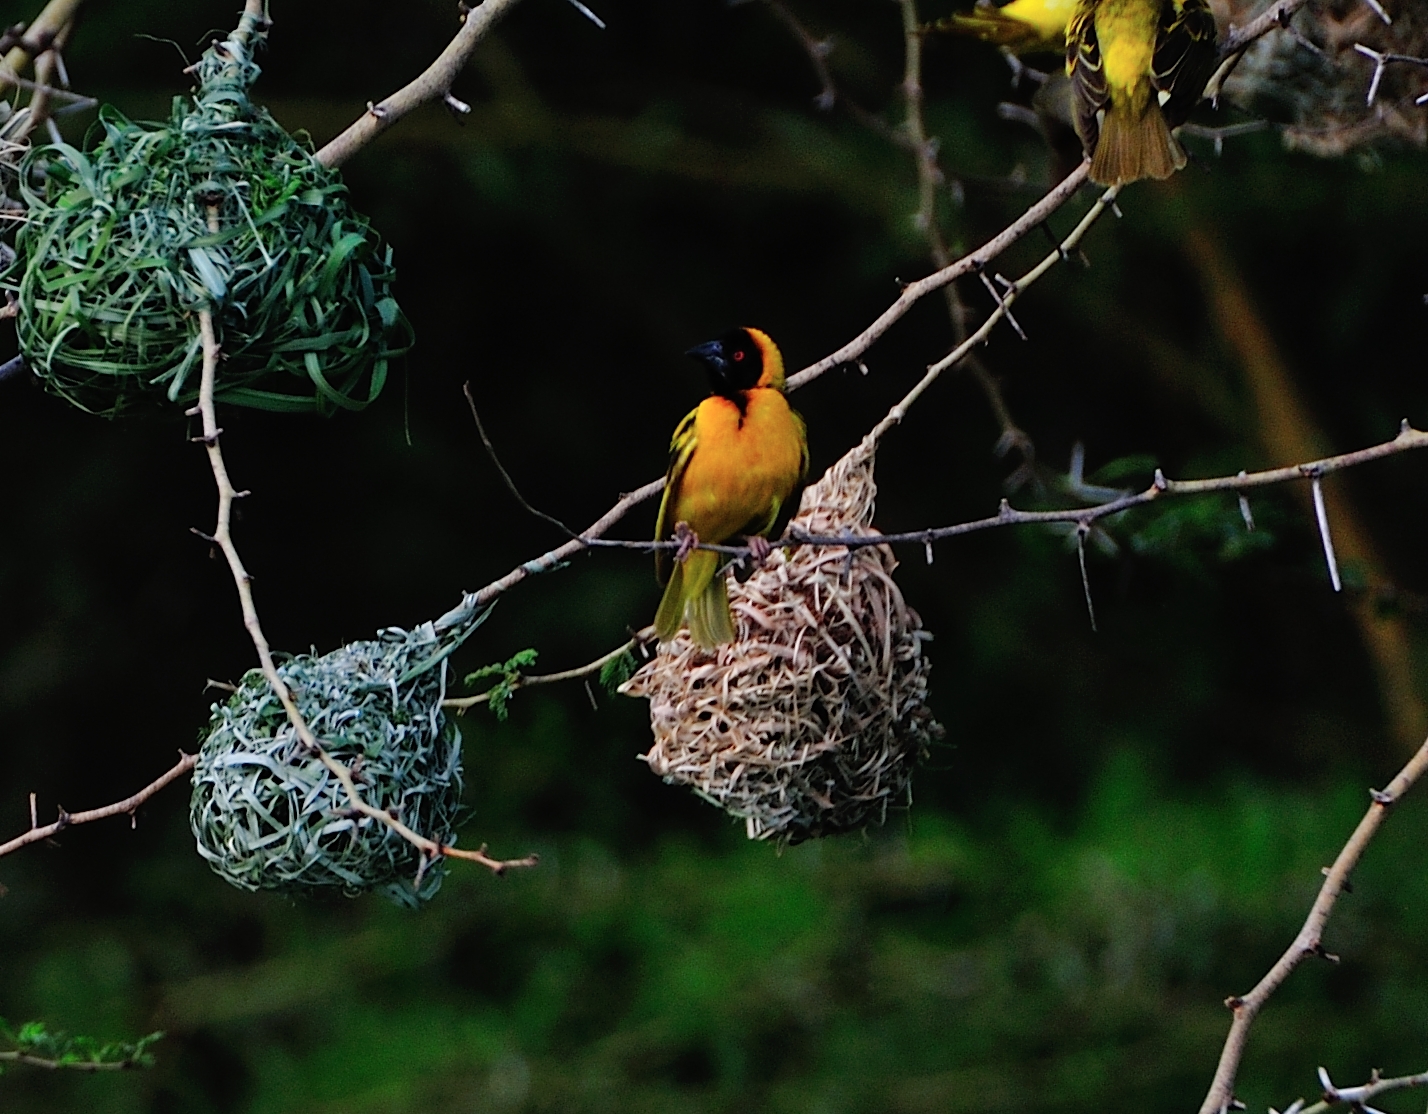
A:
[1023,26]
[736,464]
[1137,68]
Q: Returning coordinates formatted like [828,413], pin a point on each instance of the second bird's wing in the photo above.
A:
[681,448]
[1087,74]
[1184,57]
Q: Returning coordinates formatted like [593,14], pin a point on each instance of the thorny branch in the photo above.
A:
[127,807]
[1356,1098]
[974,263]
[222,537]
[930,179]
[1408,439]
[1309,941]
[433,84]
[969,264]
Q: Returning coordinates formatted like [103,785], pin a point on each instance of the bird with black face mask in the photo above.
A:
[736,465]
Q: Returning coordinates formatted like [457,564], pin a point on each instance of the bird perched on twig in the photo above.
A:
[1022,27]
[1137,68]
[736,465]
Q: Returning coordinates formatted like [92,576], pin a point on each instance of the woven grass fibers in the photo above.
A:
[268,815]
[216,208]
[811,722]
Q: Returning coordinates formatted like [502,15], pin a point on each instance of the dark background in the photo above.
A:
[1122,828]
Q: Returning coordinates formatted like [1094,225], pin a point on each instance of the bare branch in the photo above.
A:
[1408,439]
[39,36]
[127,807]
[1357,1097]
[913,292]
[434,84]
[506,476]
[817,50]
[223,538]
[462,703]
[1309,941]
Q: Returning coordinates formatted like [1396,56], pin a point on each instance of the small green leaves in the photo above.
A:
[34,1044]
[618,670]
[499,695]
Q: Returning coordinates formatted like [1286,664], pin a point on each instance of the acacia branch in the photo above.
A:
[127,807]
[1238,40]
[520,681]
[222,537]
[1408,439]
[1356,1097]
[433,84]
[1309,941]
[971,263]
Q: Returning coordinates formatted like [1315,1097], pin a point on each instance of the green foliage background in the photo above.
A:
[1124,827]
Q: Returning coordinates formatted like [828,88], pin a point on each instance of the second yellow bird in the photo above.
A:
[1137,68]
[736,464]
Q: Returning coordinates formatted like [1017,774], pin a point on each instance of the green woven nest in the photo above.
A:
[268,815]
[117,258]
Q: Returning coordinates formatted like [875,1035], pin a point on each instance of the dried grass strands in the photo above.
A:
[810,723]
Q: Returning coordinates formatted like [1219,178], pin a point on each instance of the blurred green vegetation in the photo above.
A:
[1124,827]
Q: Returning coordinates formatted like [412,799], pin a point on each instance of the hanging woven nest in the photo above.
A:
[218,208]
[268,815]
[1317,83]
[811,722]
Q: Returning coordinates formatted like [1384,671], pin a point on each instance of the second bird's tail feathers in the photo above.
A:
[1132,147]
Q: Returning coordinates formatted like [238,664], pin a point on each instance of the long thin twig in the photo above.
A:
[127,807]
[433,84]
[520,681]
[930,180]
[969,264]
[222,537]
[15,1056]
[506,476]
[1408,439]
[1309,941]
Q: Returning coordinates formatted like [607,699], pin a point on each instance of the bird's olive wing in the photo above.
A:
[1184,57]
[1089,93]
[681,448]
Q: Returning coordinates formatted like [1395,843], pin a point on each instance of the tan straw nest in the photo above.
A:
[811,722]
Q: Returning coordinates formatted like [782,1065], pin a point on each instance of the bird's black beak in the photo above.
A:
[711,355]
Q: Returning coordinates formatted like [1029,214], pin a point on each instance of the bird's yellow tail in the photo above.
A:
[696,587]
[1134,145]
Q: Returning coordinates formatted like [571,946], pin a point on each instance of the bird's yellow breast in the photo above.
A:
[1126,31]
[744,465]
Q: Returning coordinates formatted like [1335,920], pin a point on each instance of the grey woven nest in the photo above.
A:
[268,815]
[811,723]
[216,208]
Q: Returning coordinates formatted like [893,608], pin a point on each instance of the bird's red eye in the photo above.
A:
[738,355]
